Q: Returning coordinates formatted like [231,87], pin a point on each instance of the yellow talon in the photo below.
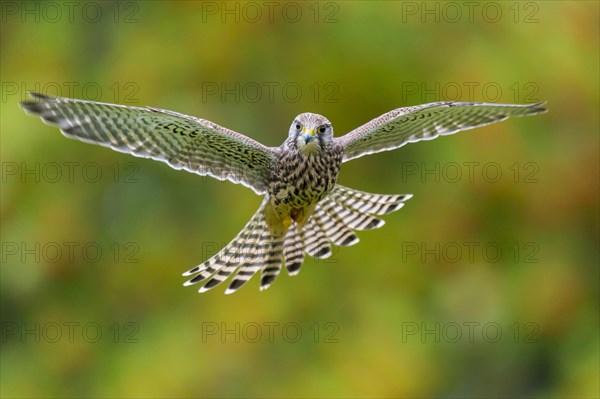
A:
[287,222]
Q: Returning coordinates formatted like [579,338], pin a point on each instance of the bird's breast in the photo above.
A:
[298,182]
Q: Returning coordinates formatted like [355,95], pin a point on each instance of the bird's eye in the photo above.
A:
[298,126]
[322,129]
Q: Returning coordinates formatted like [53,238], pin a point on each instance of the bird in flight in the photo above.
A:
[304,210]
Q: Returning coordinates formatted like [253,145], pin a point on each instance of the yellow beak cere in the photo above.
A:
[308,131]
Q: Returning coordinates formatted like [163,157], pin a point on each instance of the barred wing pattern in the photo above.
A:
[426,122]
[183,142]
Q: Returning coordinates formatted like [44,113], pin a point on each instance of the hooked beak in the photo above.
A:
[309,134]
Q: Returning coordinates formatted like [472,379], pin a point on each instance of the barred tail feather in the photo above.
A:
[256,248]
[293,250]
[356,219]
[273,264]
[255,255]
[343,211]
[250,251]
[316,242]
[375,204]
[335,228]
[212,265]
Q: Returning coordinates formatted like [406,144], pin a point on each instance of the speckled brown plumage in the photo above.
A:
[304,210]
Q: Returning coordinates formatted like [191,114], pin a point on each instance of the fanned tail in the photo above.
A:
[334,220]
[337,216]
[253,249]
[375,204]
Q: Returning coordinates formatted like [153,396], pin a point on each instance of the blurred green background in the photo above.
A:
[484,285]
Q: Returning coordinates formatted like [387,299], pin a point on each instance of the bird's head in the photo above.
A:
[311,133]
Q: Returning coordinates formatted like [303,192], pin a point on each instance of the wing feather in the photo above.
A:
[426,122]
[183,142]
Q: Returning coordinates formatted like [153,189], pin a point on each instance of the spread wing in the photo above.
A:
[425,122]
[183,142]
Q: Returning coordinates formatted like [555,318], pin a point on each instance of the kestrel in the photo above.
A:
[304,210]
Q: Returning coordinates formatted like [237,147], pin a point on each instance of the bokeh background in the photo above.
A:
[484,285]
